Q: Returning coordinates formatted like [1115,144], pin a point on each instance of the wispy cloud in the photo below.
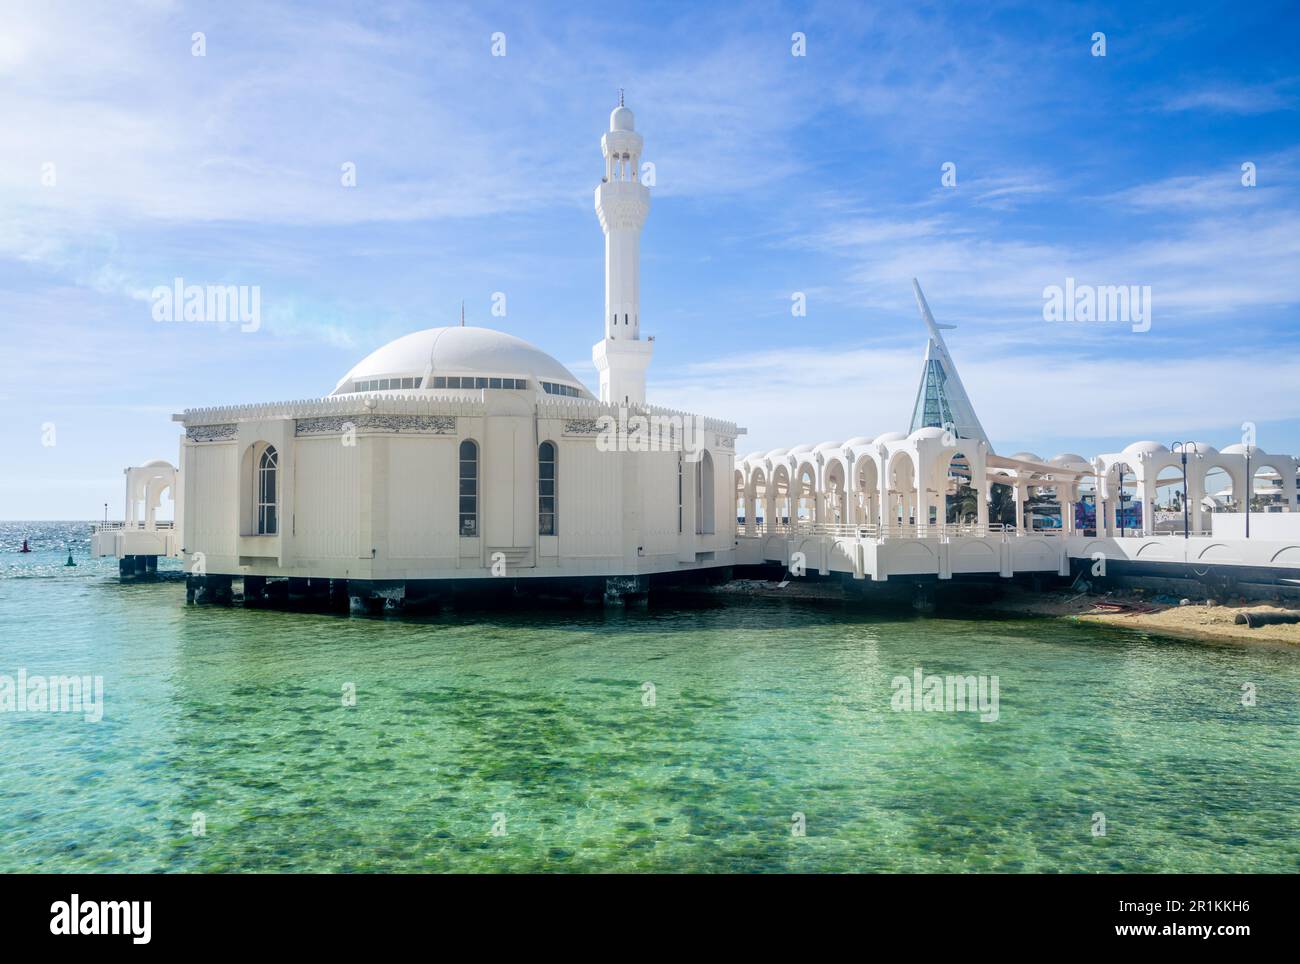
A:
[1235,98]
[1230,249]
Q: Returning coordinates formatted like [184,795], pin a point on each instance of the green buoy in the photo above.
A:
[69,562]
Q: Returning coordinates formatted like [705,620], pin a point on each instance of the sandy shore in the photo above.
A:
[1197,621]
[1132,610]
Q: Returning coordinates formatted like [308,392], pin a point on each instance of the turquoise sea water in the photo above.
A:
[536,724]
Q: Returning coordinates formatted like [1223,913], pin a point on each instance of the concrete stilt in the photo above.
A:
[277,591]
[922,598]
[214,589]
[254,590]
[619,590]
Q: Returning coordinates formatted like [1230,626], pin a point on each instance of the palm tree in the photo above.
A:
[1002,504]
[963,505]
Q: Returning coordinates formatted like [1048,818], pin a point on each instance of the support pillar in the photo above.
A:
[214,589]
[1147,493]
[619,590]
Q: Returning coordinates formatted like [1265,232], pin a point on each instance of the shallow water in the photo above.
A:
[537,724]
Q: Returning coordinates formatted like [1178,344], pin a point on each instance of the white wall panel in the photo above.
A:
[590,500]
[212,503]
[328,498]
[422,509]
[659,501]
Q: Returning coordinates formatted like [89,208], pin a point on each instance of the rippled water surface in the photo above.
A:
[537,724]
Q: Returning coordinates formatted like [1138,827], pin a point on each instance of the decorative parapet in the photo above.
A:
[350,408]
[579,415]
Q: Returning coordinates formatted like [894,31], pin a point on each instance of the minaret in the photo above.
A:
[622,202]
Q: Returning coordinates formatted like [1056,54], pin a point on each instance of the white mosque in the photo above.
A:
[458,455]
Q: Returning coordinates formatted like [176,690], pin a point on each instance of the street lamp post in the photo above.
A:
[1122,497]
[1182,448]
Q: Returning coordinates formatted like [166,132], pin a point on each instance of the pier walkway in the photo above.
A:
[877,552]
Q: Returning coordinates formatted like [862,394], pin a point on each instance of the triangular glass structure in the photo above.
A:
[941,399]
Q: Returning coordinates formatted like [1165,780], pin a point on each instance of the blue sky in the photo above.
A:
[774,174]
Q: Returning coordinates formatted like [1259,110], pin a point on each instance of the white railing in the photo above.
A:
[945,532]
[1176,533]
[871,530]
[135,526]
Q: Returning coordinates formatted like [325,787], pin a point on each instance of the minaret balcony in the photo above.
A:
[622,204]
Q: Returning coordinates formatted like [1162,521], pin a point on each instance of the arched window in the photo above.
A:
[468,488]
[704,495]
[679,493]
[546,489]
[267,503]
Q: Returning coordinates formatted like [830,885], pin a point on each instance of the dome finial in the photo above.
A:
[620,97]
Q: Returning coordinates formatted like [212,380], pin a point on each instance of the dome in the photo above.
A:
[621,119]
[825,446]
[857,440]
[888,437]
[441,353]
[1027,457]
[1196,448]
[1068,459]
[753,457]
[777,454]
[1145,448]
[1240,449]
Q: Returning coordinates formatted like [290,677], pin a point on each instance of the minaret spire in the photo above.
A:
[622,203]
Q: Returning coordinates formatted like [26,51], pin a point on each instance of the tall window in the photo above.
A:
[704,495]
[468,488]
[267,470]
[679,493]
[546,489]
